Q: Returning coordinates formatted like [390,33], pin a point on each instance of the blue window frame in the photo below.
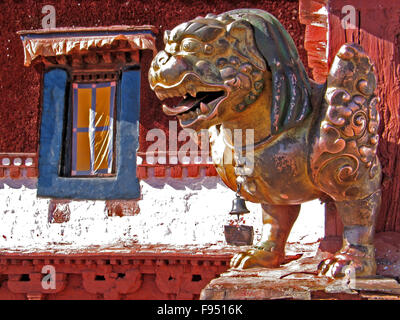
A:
[122,185]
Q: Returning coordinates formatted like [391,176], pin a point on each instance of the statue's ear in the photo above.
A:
[245,44]
[166,36]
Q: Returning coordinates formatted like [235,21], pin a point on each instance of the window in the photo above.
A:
[93,128]
[123,184]
[90,110]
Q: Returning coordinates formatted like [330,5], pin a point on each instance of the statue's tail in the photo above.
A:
[345,155]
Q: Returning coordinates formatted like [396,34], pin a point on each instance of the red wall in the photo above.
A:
[20,86]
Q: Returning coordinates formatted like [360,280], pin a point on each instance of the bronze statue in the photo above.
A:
[241,70]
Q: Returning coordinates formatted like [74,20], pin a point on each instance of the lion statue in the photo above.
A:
[241,70]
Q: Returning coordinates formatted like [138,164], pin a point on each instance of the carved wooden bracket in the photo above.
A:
[85,48]
[111,284]
[140,272]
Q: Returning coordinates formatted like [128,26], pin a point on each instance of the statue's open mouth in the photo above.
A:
[193,106]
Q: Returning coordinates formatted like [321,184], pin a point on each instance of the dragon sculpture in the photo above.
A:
[241,70]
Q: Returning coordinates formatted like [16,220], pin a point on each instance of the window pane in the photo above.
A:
[102,151]
[83,111]
[93,112]
[102,116]
[82,152]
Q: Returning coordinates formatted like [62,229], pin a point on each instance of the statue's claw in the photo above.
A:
[348,261]
[256,258]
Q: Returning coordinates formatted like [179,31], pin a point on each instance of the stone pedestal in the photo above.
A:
[298,280]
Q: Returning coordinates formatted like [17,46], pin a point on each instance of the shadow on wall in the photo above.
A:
[30,183]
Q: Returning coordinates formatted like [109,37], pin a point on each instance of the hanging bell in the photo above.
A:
[239,206]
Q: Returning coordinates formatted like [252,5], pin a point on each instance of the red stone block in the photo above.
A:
[59,211]
[309,8]
[193,171]
[159,172]
[211,171]
[31,172]
[316,50]
[316,33]
[176,172]
[122,208]
[141,172]
[15,173]
[2,173]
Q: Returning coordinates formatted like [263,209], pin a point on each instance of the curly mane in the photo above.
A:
[291,89]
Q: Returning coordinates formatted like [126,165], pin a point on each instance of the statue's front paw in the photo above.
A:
[256,258]
[348,261]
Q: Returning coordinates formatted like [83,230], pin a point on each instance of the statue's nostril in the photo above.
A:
[162,58]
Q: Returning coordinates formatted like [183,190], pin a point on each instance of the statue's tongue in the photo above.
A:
[185,105]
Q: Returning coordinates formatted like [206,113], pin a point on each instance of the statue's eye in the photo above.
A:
[190,45]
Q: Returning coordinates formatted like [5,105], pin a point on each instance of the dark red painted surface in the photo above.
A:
[20,86]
